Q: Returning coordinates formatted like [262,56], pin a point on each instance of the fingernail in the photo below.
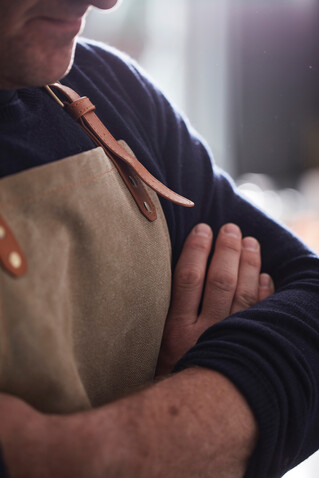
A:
[232,229]
[264,281]
[203,230]
[250,243]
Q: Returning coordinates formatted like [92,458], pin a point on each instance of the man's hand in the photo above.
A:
[233,283]
[193,424]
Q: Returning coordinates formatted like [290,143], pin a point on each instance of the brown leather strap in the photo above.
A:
[93,123]
[130,178]
[80,107]
[11,255]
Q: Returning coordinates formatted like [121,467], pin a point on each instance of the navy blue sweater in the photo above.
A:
[271,351]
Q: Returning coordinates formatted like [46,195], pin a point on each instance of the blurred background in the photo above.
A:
[246,73]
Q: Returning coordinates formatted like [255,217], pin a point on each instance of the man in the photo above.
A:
[82,318]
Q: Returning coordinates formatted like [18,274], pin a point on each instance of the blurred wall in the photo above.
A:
[274,78]
[245,72]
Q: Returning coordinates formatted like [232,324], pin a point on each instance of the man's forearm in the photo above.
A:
[193,424]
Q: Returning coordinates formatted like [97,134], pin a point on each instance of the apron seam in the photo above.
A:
[34,198]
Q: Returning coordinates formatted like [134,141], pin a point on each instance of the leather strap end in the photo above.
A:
[167,193]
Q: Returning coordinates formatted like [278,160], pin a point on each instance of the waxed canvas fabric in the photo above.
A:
[84,325]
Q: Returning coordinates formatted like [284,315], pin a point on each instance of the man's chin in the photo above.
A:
[54,68]
[56,75]
[38,68]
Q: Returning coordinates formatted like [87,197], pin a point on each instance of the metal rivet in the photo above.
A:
[15,260]
[133,181]
[2,232]
[147,207]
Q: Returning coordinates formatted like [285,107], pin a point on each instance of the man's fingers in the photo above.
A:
[266,287]
[248,277]
[222,275]
[233,283]
[189,275]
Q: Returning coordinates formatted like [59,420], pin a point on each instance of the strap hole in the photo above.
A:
[2,232]
[133,181]
[147,207]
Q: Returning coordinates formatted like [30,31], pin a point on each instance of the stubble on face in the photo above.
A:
[26,65]
[37,39]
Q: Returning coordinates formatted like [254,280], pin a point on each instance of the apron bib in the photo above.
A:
[84,325]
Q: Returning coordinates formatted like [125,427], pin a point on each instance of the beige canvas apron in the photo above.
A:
[83,326]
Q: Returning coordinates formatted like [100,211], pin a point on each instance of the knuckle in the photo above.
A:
[199,243]
[188,277]
[231,242]
[247,299]
[252,259]
[224,282]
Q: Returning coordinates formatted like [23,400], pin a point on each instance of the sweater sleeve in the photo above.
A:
[270,351]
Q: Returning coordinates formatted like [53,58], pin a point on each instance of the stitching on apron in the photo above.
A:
[55,190]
